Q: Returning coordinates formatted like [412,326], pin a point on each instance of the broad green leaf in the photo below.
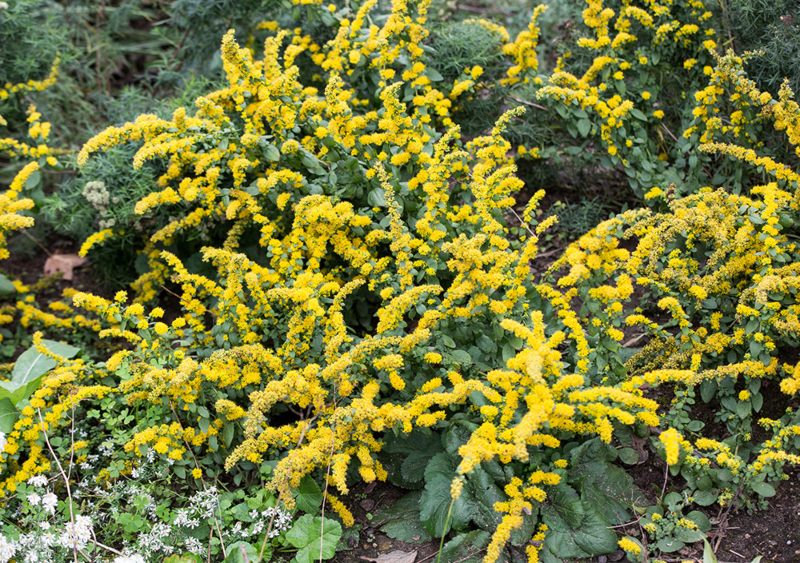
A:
[401,520]
[763,489]
[308,495]
[705,498]
[576,531]
[699,518]
[315,538]
[227,434]
[241,552]
[32,363]
[33,180]
[465,548]
[595,535]
[413,467]
[672,500]
[688,536]
[271,152]
[376,198]
[8,415]
[628,456]
[567,505]
[183,558]
[434,505]
[708,553]
[6,287]
[402,446]
[670,545]
[462,357]
[29,369]
[584,127]
[560,545]
[707,390]
[486,493]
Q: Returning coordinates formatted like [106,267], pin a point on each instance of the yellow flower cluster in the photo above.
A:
[621,41]
[358,231]
[273,333]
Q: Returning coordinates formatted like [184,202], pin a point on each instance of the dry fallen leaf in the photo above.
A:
[395,556]
[64,263]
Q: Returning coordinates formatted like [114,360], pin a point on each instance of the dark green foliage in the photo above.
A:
[772,29]
[200,23]
[458,46]
[30,40]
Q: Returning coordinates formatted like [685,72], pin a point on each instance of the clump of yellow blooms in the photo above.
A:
[11,202]
[622,41]
[717,278]
[276,332]
[350,236]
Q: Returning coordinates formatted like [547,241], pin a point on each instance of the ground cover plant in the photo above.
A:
[325,264]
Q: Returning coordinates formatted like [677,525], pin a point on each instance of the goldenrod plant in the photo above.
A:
[339,285]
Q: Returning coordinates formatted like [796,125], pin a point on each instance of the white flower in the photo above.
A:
[135,558]
[76,535]
[2,442]
[38,481]
[34,499]
[7,549]
[193,545]
[49,502]
[44,525]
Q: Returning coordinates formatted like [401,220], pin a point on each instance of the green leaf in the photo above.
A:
[672,500]
[462,357]
[707,390]
[576,531]
[705,498]
[315,538]
[595,535]
[695,426]
[419,444]
[670,545]
[402,520]
[699,518]
[743,409]
[688,536]
[8,415]
[308,495]
[376,198]
[708,553]
[465,548]
[560,545]
[6,287]
[628,456]
[763,489]
[29,369]
[33,180]
[486,493]
[312,163]
[584,127]
[184,558]
[606,487]
[567,505]
[434,504]
[227,434]
[271,152]
[413,467]
[242,552]
[32,363]
[433,74]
